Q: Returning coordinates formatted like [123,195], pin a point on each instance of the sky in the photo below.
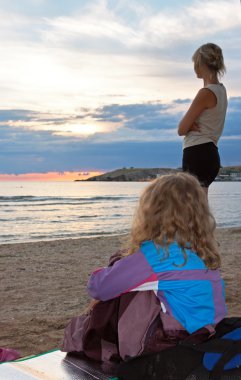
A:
[89,86]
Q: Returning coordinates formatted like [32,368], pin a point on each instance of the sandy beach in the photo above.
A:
[43,285]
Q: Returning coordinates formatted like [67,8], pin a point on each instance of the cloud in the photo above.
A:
[146,28]
[31,152]
[82,80]
[147,121]
[32,149]
[81,52]
[182,101]
[6,115]
[111,123]
[78,155]
[139,122]
[234,103]
[142,135]
[233,119]
[133,115]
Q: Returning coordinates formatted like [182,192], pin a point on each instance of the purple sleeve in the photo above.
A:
[124,275]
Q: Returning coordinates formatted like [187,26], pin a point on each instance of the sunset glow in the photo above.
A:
[57,125]
[50,176]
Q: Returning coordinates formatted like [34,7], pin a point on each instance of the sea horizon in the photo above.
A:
[41,211]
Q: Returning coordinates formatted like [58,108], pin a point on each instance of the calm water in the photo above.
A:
[31,211]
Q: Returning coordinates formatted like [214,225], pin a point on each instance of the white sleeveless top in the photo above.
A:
[211,120]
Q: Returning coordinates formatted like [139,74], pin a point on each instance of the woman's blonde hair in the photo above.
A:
[175,208]
[210,55]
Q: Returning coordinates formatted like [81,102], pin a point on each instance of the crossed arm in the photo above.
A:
[203,100]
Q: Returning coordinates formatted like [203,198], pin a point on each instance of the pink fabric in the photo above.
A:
[8,354]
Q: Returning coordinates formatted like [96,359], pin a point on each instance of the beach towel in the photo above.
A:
[53,365]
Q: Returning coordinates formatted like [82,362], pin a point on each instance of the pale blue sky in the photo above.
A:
[102,84]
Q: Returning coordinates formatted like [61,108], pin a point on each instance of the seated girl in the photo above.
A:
[167,285]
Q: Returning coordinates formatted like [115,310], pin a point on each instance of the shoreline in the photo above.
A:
[118,235]
[70,239]
[44,284]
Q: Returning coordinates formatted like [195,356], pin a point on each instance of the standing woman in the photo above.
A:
[203,123]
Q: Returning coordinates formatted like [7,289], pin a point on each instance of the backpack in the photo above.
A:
[214,359]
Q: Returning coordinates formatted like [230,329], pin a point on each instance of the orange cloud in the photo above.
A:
[50,176]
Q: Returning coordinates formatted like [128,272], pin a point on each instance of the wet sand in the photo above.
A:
[43,285]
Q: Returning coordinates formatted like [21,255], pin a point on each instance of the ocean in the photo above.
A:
[34,211]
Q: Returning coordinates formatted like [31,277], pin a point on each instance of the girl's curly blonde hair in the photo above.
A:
[175,208]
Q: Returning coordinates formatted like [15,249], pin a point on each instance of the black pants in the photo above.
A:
[203,161]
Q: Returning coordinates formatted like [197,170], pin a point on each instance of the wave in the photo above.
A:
[71,235]
[88,216]
[34,236]
[6,239]
[17,219]
[59,200]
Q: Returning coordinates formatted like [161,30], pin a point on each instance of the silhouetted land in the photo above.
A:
[229,173]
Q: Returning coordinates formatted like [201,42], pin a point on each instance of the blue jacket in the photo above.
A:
[188,291]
